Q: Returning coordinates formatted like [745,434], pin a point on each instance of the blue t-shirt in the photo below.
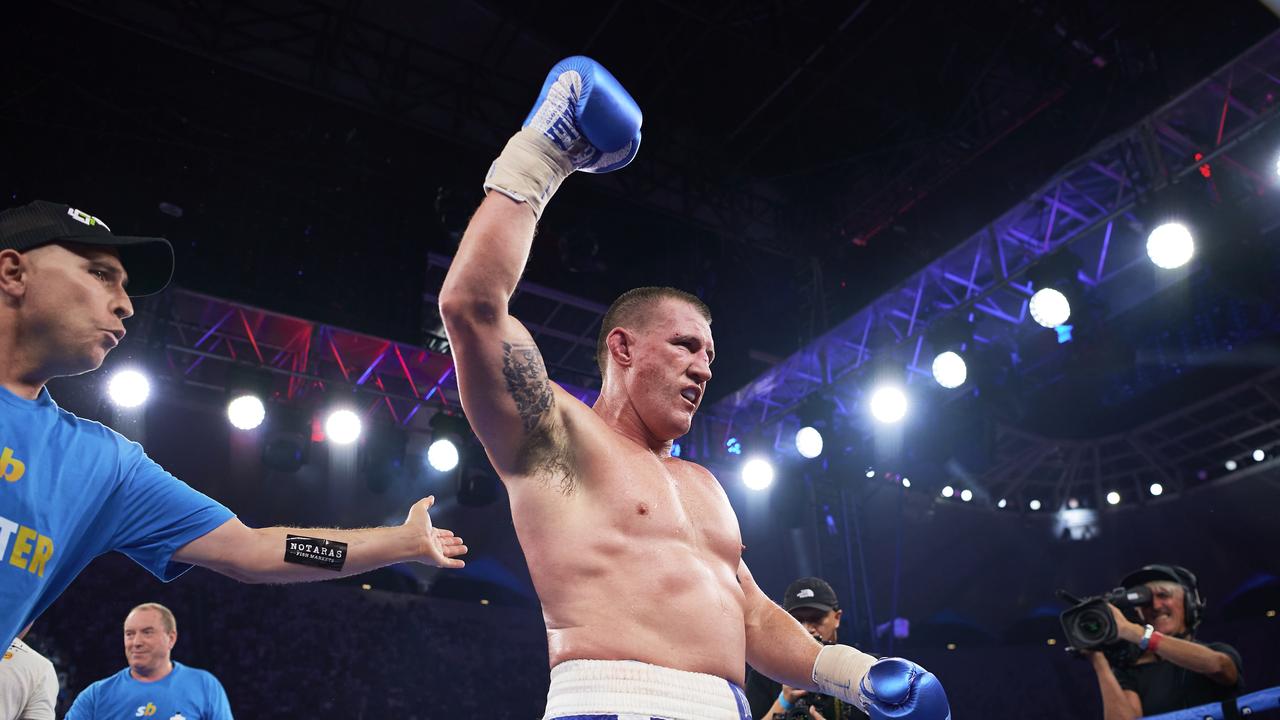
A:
[184,694]
[71,490]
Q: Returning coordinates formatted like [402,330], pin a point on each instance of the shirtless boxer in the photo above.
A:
[636,555]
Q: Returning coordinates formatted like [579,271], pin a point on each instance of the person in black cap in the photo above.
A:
[813,603]
[73,489]
[1174,670]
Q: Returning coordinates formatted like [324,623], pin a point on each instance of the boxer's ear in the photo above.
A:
[621,344]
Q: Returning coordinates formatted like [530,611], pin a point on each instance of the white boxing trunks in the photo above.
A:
[630,690]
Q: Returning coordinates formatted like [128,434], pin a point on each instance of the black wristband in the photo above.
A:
[317,552]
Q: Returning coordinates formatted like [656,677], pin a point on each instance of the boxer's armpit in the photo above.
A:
[544,452]
[527,382]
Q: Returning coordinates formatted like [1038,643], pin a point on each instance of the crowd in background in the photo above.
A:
[338,651]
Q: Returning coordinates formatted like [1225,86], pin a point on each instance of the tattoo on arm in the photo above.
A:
[527,382]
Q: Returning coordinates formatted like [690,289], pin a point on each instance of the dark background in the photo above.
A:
[860,139]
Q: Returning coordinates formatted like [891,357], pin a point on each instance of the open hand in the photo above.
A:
[441,547]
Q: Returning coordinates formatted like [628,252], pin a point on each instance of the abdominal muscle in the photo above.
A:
[617,584]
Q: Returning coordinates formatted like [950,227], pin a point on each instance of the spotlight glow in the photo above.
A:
[1170,246]
[129,388]
[1034,505]
[1231,465]
[442,455]
[966,495]
[949,370]
[1156,489]
[809,442]
[1049,308]
[906,482]
[1113,498]
[246,412]
[888,404]
[1073,503]
[948,491]
[871,472]
[1002,504]
[1259,455]
[757,474]
[343,427]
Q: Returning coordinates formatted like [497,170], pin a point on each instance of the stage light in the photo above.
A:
[1113,498]
[442,455]
[1231,465]
[906,482]
[129,388]
[809,442]
[342,427]
[1073,503]
[949,370]
[1002,504]
[676,450]
[246,412]
[1049,308]
[888,404]
[1170,246]
[757,474]
[1259,455]
[966,495]
[1278,165]
[871,472]
[1156,489]
[1034,504]
[948,491]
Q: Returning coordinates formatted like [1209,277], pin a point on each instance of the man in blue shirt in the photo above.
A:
[71,489]
[153,685]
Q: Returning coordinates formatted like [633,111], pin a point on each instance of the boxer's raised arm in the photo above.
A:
[583,120]
[506,393]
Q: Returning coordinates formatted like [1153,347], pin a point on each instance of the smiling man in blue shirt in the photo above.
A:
[153,685]
[71,489]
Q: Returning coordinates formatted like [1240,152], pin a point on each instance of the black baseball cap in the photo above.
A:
[810,592]
[147,260]
[1149,573]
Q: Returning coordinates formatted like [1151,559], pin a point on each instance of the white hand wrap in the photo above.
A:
[529,170]
[838,671]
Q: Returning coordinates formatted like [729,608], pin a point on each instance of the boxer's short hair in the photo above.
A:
[167,619]
[630,308]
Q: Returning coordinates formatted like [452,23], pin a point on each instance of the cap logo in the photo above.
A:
[86,218]
[805,593]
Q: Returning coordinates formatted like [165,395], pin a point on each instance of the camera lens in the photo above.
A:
[1092,626]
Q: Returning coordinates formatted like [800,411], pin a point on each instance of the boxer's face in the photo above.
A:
[72,306]
[672,364]
[146,642]
[1167,613]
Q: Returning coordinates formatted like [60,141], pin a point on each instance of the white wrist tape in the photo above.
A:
[529,170]
[838,671]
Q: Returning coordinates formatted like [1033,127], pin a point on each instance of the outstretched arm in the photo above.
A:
[265,555]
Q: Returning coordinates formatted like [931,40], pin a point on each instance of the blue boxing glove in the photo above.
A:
[897,688]
[583,120]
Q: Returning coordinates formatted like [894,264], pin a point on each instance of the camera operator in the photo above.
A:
[1173,670]
[813,603]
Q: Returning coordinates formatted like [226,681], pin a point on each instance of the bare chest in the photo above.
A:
[641,497]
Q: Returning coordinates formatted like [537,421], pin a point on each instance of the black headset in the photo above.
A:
[1192,602]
